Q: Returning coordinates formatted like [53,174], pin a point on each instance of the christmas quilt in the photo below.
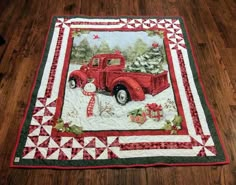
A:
[117,92]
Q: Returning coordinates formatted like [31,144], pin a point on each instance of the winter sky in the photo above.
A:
[118,38]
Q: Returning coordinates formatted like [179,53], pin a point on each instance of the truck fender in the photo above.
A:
[79,75]
[135,90]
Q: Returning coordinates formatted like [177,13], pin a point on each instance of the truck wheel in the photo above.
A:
[72,83]
[121,94]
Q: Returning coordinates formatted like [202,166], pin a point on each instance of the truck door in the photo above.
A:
[95,72]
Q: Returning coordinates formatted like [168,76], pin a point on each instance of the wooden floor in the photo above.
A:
[212,27]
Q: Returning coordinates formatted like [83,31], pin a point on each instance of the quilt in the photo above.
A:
[116,92]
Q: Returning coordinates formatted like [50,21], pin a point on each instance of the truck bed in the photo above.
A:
[150,83]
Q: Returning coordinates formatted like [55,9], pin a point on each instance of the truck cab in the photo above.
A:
[100,64]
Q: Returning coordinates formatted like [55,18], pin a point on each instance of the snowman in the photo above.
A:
[90,87]
[89,90]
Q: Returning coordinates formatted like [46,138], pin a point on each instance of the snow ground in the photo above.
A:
[75,106]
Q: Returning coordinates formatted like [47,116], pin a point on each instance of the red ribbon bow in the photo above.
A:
[154,107]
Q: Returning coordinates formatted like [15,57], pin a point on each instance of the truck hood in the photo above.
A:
[84,68]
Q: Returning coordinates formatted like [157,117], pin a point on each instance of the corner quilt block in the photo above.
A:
[117,92]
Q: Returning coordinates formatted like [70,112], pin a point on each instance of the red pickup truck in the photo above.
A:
[108,72]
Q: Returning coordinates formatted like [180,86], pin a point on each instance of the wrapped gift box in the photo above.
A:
[154,111]
[138,116]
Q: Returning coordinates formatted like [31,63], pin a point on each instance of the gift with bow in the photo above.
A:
[155,111]
[138,116]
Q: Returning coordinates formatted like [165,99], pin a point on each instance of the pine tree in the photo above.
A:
[163,53]
[131,53]
[85,51]
[140,47]
[81,52]
[95,50]
[149,62]
[104,48]
[74,54]
[116,48]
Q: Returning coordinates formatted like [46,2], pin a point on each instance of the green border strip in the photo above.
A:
[25,128]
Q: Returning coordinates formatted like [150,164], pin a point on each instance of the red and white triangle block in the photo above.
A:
[203,145]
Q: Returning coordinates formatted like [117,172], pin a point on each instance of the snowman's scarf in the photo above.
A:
[91,102]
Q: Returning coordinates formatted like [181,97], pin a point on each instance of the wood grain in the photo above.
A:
[212,27]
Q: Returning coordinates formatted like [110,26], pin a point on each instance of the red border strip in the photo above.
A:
[155,145]
[63,78]
[52,73]
[107,133]
[120,166]
[94,23]
[193,110]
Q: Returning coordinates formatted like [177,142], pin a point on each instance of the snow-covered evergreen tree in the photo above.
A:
[149,62]
[81,52]
[103,48]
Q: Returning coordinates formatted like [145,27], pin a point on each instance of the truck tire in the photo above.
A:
[121,94]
